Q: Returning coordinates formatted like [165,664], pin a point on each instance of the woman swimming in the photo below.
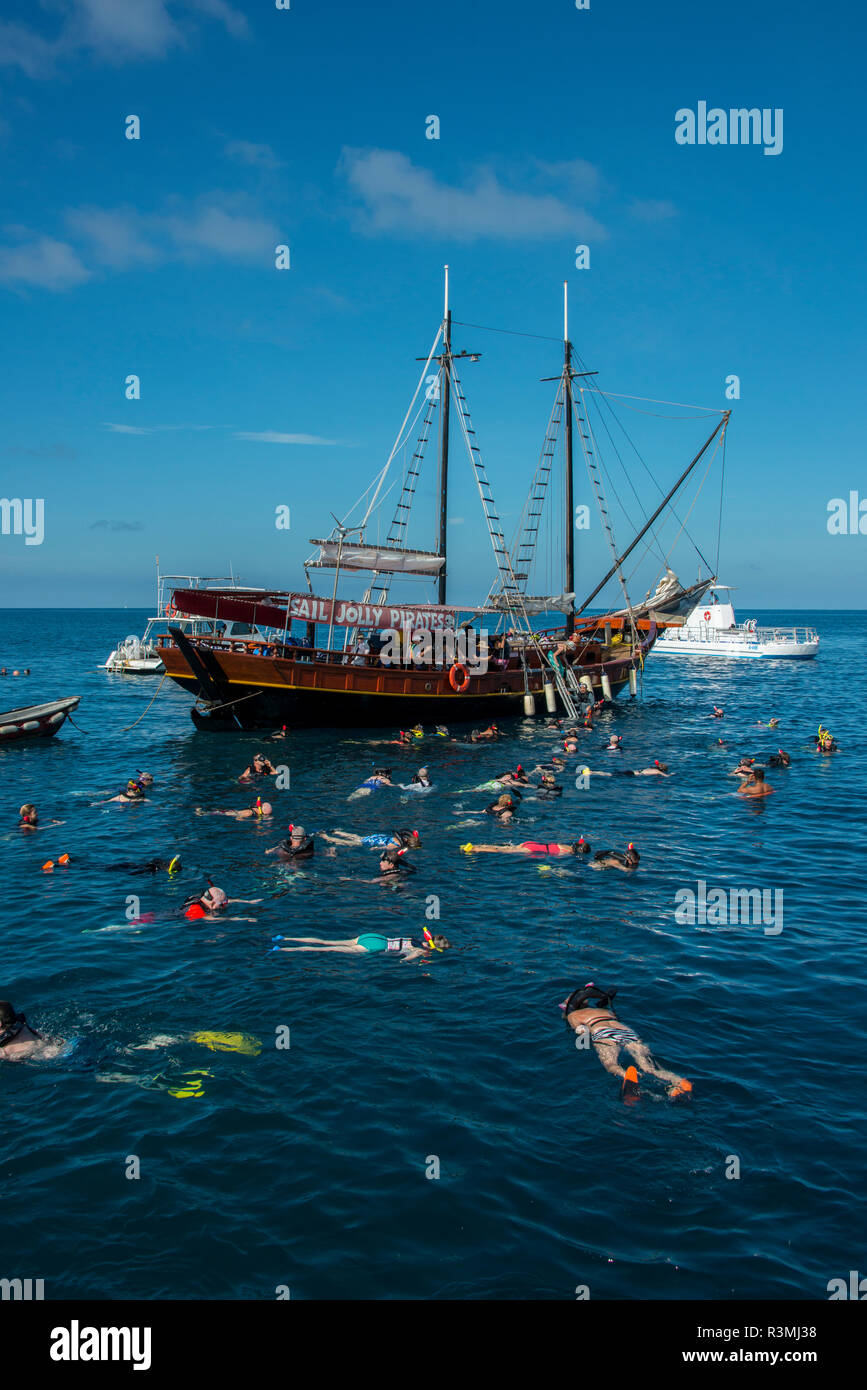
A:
[260,810]
[19,1041]
[556,847]
[373,942]
[211,904]
[503,809]
[259,767]
[394,839]
[598,1024]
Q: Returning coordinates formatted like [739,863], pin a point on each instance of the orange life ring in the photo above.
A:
[171,610]
[453,680]
[706,615]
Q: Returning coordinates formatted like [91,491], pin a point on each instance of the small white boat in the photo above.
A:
[138,656]
[712,630]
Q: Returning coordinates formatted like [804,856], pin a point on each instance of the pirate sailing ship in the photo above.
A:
[288,674]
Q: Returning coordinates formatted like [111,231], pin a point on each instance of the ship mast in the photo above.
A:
[569,579]
[445,379]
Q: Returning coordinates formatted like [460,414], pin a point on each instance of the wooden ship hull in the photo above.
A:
[249,690]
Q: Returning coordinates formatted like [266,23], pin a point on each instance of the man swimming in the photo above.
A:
[481,735]
[421,778]
[151,866]
[403,946]
[260,810]
[755,784]
[299,844]
[626,860]
[18,1041]
[779,759]
[599,1025]
[392,864]
[614,744]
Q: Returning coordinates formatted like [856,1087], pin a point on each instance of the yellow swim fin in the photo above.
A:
[189,1084]
[467,848]
[229,1042]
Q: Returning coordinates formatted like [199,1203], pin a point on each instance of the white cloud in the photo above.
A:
[112,31]
[50,264]
[115,236]
[400,197]
[652,210]
[272,437]
[257,156]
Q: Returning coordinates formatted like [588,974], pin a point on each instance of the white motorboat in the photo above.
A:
[711,629]
[138,656]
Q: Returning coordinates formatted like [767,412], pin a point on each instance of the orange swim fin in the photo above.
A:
[629,1089]
[683,1088]
[46,868]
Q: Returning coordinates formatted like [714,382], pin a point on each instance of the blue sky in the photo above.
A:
[307,127]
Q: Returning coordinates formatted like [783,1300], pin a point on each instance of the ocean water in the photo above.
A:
[306,1167]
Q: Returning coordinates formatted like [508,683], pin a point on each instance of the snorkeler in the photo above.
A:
[479,735]
[18,1040]
[392,864]
[614,744]
[152,866]
[380,777]
[280,733]
[259,767]
[396,839]
[755,785]
[744,768]
[29,818]
[298,845]
[600,1025]
[779,759]
[211,904]
[548,788]
[570,745]
[260,810]
[403,946]
[132,795]
[421,778]
[616,858]
[718,713]
[825,741]
[503,809]
[579,846]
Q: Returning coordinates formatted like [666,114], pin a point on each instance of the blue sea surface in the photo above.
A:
[307,1167]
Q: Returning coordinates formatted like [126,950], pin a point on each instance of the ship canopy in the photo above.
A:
[533,606]
[276,609]
[354,555]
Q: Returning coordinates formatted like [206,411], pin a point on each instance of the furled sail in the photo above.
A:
[383,559]
[533,606]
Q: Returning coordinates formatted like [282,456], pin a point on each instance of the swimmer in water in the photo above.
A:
[570,745]
[442,731]
[717,712]
[210,905]
[260,810]
[518,778]
[28,818]
[548,787]
[280,734]
[588,1011]
[479,735]
[658,770]
[145,779]
[421,778]
[755,785]
[503,809]
[614,744]
[397,839]
[744,768]
[392,864]
[403,946]
[616,859]
[19,1041]
[779,759]
[259,767]
[579,846]
[825,741]
[299,844]
[132,795]
[152,866]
